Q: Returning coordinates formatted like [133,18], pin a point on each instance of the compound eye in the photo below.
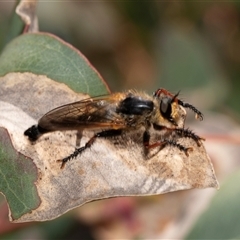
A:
[166,108]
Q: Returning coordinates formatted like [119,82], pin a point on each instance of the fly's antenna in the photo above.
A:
[175,97]
[199,115]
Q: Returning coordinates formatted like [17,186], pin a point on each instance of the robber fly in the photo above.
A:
[118,112]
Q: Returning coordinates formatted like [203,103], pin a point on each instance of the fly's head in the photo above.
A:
[170,111]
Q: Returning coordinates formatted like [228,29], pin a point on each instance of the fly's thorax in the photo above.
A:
[134,108]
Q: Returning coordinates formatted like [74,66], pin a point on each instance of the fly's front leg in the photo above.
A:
[186,133]
[164,142]
[146,142]
[89,143]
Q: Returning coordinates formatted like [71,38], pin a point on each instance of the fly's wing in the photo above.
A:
[91,113]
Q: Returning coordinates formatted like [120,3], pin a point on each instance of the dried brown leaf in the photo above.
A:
[111,167]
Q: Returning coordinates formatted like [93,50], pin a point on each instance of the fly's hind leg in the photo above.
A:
[103,134]
[79,137]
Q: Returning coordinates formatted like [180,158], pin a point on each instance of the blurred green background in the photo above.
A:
[179,45]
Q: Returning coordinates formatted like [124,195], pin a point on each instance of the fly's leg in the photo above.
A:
[103,134]
[146,139]
[163,143]
[177,145]
[189,134]
[199,115]
[79,137]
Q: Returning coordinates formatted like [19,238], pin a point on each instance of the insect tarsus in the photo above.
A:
[89,143]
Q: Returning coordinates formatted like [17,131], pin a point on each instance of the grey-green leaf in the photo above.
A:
[45,54]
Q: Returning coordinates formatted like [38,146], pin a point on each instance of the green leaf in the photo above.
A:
[45,54]
[10,28]
[221,220]
[17,174]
